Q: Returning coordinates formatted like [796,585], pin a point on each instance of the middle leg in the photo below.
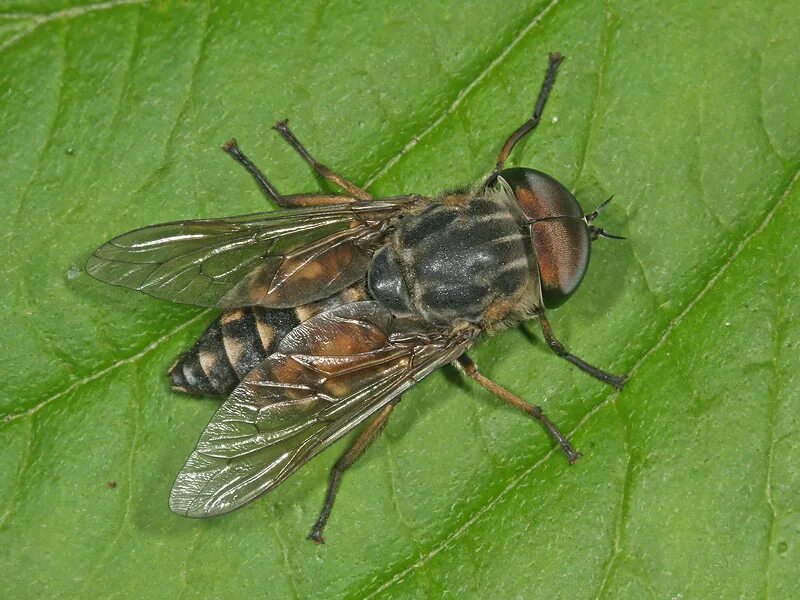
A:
[468,367]
[269,190]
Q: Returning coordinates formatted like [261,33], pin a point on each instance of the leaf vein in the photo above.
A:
[498,60]
[761,110]
[105,371]
[168,143]
[407,525]
[619,528]
[698,163]
[69,13]
[448,540]
[773,406]
[639,263]
[24,463]
[598,91]
[137,420]
[183,576]
[287,563]
[22,290]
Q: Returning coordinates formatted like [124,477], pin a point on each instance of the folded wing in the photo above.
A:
[277,259]
[328,375]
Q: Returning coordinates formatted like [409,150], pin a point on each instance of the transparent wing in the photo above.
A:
[276,259]
[327,376]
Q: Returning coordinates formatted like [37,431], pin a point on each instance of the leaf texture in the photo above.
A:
[112,115]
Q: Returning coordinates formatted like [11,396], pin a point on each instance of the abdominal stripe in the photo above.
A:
[231,347]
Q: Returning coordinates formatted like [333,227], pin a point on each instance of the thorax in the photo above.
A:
[455,261]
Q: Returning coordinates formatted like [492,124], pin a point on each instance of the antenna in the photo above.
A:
[596,232]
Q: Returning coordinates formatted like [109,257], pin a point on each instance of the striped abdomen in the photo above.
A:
[239,339]
[232,345]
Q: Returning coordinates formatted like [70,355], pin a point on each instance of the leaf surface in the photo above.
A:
[112,117]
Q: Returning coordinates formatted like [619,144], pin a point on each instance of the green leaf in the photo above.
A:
[112,117]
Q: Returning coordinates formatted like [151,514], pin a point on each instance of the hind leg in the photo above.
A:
[351,188]
[269,190]
[351,455]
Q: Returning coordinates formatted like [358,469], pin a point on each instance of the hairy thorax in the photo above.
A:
[452,262]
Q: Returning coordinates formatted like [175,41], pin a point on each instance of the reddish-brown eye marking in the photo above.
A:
[559,233]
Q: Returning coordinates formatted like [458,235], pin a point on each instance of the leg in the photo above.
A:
[232,148]
[615,380]
[282,127]
[471,369]
[310,200]
[555,60]
[293,201]
[351,455]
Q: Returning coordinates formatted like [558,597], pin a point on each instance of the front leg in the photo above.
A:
[617,381]
[547,86]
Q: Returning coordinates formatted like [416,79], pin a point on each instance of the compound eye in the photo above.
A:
[539,195]
[562,248]
[559,234]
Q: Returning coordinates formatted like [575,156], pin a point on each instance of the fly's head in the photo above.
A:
[561,233]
